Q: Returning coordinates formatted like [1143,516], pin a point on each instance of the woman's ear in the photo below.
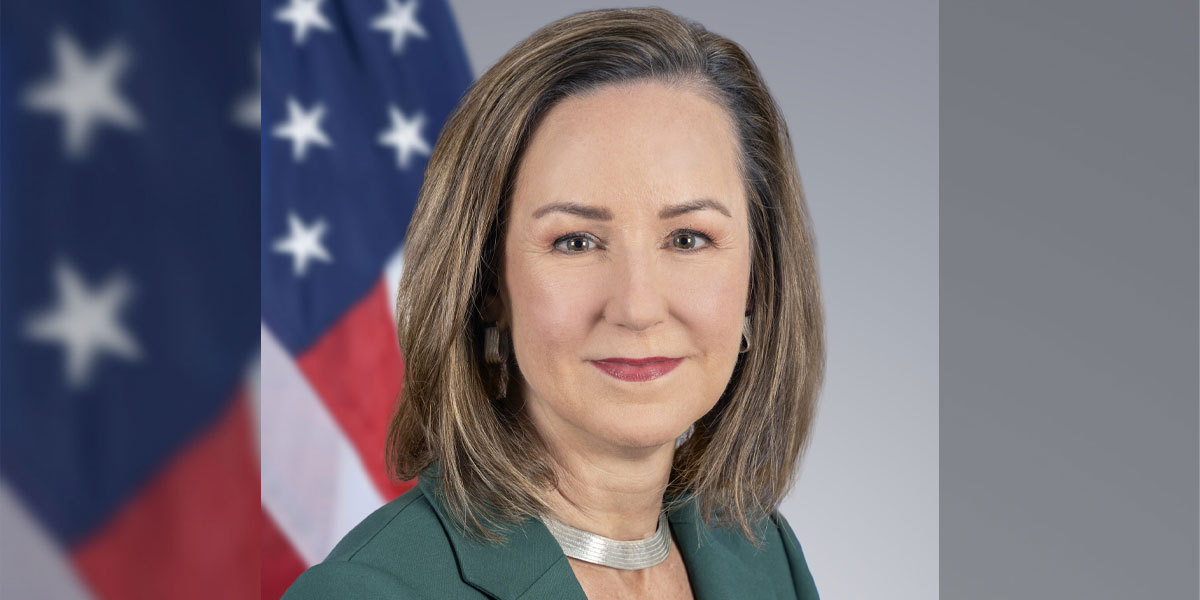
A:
[495,308]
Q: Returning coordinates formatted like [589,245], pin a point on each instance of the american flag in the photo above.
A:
[129,167]
[354,94]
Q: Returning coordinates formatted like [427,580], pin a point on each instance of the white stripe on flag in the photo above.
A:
[391,276]
[313,483]
[32,565]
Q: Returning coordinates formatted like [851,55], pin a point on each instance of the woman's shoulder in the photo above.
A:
[399,551]
[393,526]
[802,578]
[723,558]
[783,559]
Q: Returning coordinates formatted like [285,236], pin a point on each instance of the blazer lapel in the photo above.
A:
[529,564]
[720,562]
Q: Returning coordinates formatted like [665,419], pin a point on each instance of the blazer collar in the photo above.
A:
[531,564]
[721,562]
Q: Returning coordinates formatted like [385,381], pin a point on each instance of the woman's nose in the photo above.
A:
[636,297]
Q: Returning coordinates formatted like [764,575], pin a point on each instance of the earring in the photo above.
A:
[685,436]
[745,335]
[495,352]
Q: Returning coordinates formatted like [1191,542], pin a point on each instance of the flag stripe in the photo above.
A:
[184,534]
[280,563]
[314,485]
[356,371]
[32,562]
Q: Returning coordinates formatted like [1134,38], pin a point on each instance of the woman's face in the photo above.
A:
[627,239]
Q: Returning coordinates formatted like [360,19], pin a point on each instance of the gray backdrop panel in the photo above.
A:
[1069,265]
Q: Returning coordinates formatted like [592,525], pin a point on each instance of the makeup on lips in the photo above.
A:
[637,369]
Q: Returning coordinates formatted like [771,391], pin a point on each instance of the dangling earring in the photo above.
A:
[745,335]
[495,352]
[685,436]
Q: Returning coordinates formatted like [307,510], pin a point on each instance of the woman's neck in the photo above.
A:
[616,497]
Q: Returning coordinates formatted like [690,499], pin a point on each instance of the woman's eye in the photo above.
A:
[575,243]
[680,240]
[689,240]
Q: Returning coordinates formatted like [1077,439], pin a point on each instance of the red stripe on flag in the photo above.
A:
[280,563]
[190,532]
[356,370]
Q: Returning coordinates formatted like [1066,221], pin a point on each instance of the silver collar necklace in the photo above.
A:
[618,554]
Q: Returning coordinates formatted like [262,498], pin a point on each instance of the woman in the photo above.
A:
[612,333]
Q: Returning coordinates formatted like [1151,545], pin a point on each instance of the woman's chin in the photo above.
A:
[642,434]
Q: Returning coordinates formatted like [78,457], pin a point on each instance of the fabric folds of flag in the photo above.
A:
[354,94]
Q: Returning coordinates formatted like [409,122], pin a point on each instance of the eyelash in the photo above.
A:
[708,242]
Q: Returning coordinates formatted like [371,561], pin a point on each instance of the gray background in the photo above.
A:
[1069,267]
[858,84]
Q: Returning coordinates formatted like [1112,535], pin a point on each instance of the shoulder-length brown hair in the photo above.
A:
[741,458]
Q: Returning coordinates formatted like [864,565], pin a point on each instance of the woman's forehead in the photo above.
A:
[646,142]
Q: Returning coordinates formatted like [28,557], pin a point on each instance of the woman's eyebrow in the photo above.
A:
[687,207]
[574,208]
[603,214]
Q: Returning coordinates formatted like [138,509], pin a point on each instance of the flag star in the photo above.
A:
[405,136]
[303,15]
[303,243]
[83,92]
[85,322]
[303,128]
[248,110]
[400,20]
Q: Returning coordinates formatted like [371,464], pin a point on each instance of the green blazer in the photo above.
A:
[409,548]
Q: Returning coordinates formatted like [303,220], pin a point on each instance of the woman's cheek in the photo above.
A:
[556,303]
[714,287]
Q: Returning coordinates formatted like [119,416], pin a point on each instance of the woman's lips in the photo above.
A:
[637,370]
